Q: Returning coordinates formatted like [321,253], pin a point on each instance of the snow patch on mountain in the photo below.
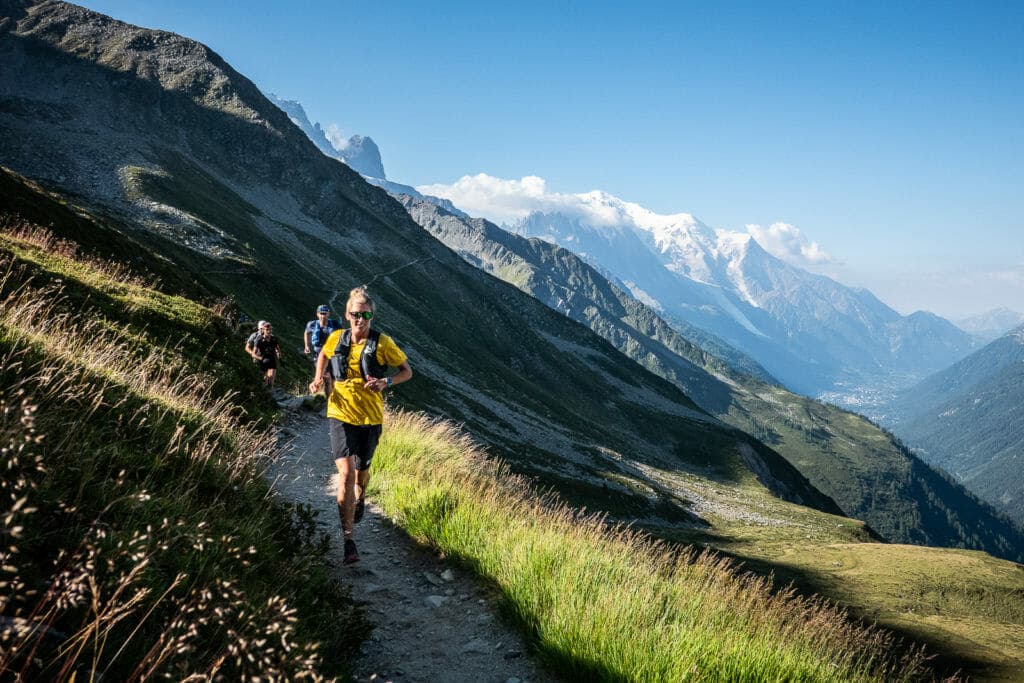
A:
[643,297]
[747,287]
[729,307]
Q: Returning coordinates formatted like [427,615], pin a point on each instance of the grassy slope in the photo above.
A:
[613,606]
[151,505]
[817,438]
[178,270]
[966,605]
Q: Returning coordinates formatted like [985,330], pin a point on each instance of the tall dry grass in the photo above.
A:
[139,539]
[611,604]
[15,228]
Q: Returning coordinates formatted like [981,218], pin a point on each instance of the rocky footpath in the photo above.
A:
[432,621]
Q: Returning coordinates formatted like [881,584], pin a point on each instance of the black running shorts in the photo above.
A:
[357,441]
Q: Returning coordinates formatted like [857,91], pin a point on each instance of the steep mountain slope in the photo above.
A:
[811,332]
[844,455]
[135,445]
[967,419]
[160,137]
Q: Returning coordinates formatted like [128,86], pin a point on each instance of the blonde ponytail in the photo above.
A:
[359,295]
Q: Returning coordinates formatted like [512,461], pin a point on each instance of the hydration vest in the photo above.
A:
[320,334]
[367,361]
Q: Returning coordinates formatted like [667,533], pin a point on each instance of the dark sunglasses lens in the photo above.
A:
[365,315]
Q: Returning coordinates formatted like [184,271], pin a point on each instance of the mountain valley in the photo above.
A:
[612,385]
[966,419]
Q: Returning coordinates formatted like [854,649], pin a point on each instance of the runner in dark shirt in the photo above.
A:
[262,345]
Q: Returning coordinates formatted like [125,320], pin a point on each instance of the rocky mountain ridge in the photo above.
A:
[991,324]
[843,454]
[359,152]
[723,287]
[811,332]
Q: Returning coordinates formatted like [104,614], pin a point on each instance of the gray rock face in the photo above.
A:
[435,601]
[359,153]
[363,155]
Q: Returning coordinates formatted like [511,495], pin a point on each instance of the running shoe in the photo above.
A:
[351,554]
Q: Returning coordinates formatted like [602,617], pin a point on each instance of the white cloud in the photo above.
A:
[789,244]
[506,201]
[337,137]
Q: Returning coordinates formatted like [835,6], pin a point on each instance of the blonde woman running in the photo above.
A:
[359,359]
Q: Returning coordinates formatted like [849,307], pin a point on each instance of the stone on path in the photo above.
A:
[477,645]
[293,403]
[435,601]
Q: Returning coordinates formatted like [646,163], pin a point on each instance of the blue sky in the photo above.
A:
[890,134]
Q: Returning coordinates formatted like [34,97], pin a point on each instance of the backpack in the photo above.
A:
[368,363]
[319,337]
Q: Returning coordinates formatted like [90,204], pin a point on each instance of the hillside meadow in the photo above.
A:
[134,440]
[140,538]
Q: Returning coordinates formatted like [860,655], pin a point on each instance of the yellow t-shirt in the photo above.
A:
[350,401]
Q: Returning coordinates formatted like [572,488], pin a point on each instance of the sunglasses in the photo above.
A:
[365,315]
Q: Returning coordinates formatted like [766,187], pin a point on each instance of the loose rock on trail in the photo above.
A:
[432,622]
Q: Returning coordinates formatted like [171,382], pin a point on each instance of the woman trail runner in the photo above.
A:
[359,359]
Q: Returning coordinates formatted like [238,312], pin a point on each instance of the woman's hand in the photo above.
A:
[375,384]
[316,385]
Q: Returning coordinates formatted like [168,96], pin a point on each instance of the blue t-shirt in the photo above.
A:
[318,333]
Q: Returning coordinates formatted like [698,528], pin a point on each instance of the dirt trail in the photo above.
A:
[432,622]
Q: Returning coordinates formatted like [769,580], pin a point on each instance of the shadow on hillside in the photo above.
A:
[943,662]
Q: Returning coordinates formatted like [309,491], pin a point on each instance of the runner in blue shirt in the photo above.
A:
[316,334]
